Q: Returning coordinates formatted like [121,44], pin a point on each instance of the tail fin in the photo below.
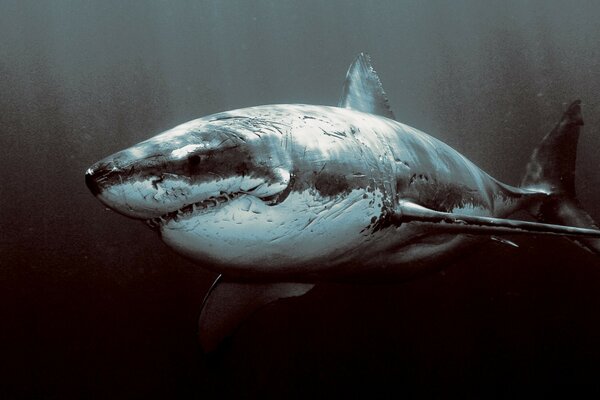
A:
[551,170]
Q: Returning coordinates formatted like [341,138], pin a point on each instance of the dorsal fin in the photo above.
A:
[362,89]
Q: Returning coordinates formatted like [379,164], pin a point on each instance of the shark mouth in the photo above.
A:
[212,203]
[194,208]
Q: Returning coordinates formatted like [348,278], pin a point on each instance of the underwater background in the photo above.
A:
[93,305]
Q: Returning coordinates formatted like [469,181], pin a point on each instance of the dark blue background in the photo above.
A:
[93,305]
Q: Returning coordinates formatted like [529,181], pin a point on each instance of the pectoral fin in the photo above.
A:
[228,304]
[469,224]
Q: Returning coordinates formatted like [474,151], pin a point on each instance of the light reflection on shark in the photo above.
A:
[277,198]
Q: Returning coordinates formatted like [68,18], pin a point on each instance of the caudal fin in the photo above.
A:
[551,170]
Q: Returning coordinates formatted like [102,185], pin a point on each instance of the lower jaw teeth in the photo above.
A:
[154,223]
[182,212]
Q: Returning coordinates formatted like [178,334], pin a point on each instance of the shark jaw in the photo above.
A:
[210,204]
[166,200]
[190,210]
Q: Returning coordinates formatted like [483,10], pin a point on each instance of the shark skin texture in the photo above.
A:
[277,198]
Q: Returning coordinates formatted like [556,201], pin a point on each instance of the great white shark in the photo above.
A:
[276,198]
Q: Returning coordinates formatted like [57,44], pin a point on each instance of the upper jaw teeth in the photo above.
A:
[191,208]
[202,205]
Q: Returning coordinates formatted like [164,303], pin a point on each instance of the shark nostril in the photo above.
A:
[91,182]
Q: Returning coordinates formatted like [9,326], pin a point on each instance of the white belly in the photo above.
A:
[305,230]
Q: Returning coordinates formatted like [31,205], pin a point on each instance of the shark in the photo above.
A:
[277,198]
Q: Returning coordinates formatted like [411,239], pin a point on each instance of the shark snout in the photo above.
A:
[115,189]
[98,174]
[91,182]
[139,188]
[110,170]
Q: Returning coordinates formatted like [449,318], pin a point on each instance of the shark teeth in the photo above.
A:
[205,204]
[210,202]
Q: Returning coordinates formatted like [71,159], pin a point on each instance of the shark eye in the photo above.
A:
[194,160]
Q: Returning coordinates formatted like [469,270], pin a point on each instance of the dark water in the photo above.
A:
[94,306]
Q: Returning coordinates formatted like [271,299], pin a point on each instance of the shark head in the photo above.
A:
[277,190]
[192,170]
[246,191]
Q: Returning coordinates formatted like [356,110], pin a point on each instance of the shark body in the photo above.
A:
[288,195]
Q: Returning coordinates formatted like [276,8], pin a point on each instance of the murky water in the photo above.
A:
[94,304]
